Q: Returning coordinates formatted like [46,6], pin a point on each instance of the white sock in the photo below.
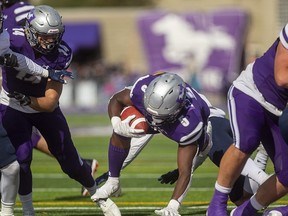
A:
[7,209]
[27,203]
[255,203]
[222,189]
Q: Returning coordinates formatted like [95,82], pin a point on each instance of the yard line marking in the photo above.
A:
[123,176]
[124,208]
[134,189]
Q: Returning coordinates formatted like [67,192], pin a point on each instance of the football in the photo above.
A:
[138,122]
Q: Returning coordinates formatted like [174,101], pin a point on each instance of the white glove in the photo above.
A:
[170,210]
[122,127]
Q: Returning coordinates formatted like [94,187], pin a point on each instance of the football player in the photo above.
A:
[176,110]
[44,45]
[8,164]
[256,100]
[14,13]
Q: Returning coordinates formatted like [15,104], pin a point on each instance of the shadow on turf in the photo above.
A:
[73,198]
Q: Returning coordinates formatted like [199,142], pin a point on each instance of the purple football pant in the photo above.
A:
[53,127]
[252,124]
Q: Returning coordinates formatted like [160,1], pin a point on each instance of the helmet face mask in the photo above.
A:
[44,29]
[164,98]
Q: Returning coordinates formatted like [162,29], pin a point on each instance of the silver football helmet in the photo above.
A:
[164,98]
[44,28]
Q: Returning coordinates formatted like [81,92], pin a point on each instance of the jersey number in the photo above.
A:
[28,78]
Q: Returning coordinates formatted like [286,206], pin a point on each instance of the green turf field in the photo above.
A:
[56,194]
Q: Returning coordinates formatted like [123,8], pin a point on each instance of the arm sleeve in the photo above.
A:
[28,66]
[25,64]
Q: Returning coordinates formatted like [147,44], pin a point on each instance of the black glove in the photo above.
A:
[9,60]
[170,177]
[103,178]
[23,99]
[59,75]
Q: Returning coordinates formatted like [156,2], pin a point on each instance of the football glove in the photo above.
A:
[24,100]
[123,129]
[170,177]
[170,210]
[9,60]
[102,178]
[59,75]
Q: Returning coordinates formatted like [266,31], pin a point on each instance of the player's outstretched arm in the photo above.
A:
[22,63]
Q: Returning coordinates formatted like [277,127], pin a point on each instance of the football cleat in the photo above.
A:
[245,208]
[109,208]
[117,193]
[218,204]
[102,178]
[94,166]
[111,186]
[278,211]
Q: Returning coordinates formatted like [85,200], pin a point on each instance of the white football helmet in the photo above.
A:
[164,98]
[44,28]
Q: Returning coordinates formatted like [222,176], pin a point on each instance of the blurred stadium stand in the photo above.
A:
[127,48]
[206,48]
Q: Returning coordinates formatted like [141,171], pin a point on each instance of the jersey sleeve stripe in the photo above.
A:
[283,36]
[193,136]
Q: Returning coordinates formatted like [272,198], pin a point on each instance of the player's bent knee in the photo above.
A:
[283,178]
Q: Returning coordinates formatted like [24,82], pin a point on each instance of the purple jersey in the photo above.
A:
[191,122]
[27,84]
[15,14]
[263,74]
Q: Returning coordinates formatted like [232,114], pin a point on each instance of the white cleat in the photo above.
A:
[117,193]
[109,208]
[111,187]
[275,213]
